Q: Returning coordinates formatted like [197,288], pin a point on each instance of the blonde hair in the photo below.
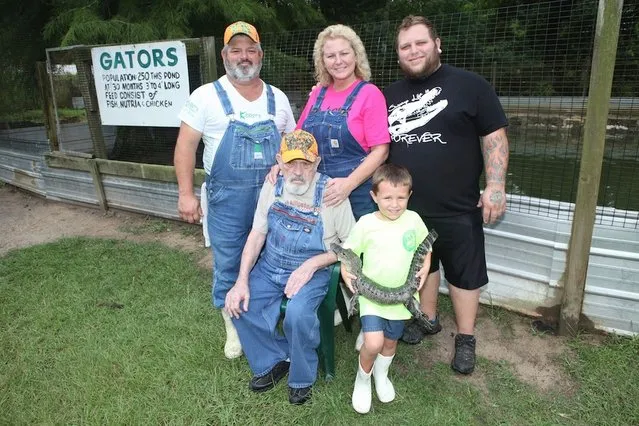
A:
[362,68]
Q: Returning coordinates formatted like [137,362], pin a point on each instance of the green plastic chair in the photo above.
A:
[326,314]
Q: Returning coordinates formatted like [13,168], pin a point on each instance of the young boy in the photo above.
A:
[387,238]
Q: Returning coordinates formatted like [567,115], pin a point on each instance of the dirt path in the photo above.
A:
[27,220]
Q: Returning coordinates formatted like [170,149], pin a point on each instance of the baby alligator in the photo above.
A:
[403,294]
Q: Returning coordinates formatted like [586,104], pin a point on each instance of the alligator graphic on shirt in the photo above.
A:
[410,115]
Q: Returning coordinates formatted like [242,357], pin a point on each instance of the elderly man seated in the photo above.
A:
[286,256]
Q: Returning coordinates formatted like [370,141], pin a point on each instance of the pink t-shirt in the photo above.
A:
[367,119]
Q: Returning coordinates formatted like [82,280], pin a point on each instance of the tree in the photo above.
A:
[21,45]
[131,21]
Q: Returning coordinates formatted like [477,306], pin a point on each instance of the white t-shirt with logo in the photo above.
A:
[203,111]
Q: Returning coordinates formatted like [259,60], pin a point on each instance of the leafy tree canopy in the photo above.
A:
[129,21]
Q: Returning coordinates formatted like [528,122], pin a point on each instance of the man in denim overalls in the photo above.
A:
[286,256]
[241,121]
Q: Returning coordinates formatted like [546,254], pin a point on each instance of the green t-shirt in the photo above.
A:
[388,247]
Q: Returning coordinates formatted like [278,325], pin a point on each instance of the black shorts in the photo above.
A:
[460,248]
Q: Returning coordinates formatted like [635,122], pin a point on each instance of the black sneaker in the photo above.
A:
[299,396]
[414,333]
[464,359]
[270,379]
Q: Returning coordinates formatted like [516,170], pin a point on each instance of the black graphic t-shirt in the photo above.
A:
[435,125]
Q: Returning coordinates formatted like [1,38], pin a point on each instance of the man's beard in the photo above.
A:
[429,67]
[243,73]
[297,188]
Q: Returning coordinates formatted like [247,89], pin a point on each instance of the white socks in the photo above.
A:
[383,386]
[362,392]
[232,347]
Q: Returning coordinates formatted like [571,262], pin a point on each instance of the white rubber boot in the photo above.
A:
[383,386]
[232,347]
[359,341]
[362,392]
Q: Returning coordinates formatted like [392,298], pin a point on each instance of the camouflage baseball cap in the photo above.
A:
[298,145]
[240,27]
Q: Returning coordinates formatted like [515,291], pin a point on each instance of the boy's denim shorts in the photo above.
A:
[392,329]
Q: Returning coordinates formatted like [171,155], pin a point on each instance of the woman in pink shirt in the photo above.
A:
[348,117]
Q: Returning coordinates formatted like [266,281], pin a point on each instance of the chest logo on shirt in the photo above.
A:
[409,240]
[191,107]
[249,115]
[414,113]
[300,205]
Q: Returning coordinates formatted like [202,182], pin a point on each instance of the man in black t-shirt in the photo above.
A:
[447,125]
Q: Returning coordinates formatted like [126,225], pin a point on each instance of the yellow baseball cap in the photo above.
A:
[241,27]
[298,145]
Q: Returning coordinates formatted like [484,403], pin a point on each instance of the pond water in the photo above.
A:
[545,164]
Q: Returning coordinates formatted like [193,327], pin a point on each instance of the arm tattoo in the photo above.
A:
[495,152]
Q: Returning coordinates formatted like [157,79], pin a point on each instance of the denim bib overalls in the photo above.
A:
[246,153]
[339,150]
[293,237]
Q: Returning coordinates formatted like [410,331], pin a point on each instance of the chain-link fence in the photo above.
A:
[20,103]
[537,56]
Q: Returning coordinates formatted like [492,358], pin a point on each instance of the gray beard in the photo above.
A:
[297,188]
[243,73]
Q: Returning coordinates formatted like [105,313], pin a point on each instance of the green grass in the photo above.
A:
[36,116]
[191,230]
[609,382]
[33,115]
[71,115]
[153,225]
[150,226]
[114,332]
[500,317]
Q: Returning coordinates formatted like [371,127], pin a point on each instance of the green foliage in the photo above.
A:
[427,8]
[21,44]
[33,116]
[70,115]
[83,26]
[66,87]
[18,92]
[21,23]
[299,70]
[75,22]
[36,116]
